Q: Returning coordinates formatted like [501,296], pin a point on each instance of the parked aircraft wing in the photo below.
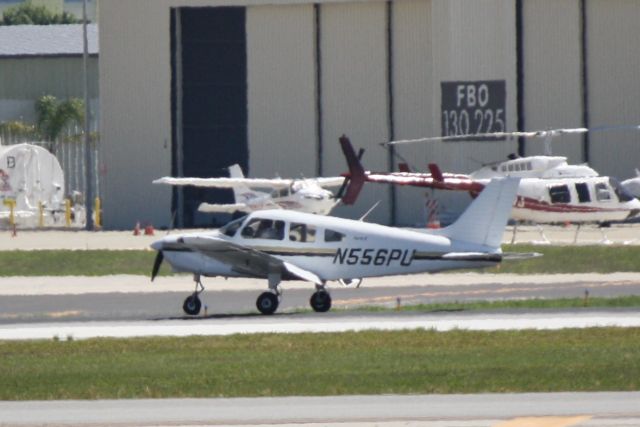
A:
[331,181]
[246,260]
[222,208]
[226,182]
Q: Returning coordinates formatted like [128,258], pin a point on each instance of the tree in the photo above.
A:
[53,116]
[29,14]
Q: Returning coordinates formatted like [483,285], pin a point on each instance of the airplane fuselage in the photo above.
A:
[337,250]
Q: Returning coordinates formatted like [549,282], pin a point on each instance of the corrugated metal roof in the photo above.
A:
[46,40]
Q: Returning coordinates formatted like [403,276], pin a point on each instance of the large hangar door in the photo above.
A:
[209,97]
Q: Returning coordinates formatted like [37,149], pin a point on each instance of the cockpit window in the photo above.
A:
[332,236]
[304,233]
[602,192]
[259,228]
[230,228]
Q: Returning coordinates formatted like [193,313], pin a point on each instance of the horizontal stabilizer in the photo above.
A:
[518,256]
[472,256]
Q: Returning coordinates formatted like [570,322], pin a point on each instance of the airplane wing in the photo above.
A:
[222,208]
[331,181]
[226,182]
[247,260]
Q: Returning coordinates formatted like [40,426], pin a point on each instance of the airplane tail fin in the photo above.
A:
[484,221]
[240,191]
[356,177]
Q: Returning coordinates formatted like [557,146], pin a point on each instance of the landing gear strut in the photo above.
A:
[192,303]
[267,302]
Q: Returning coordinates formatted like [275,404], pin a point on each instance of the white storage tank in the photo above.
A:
[31,179]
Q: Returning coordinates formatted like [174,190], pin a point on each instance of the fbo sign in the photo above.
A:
[473,107]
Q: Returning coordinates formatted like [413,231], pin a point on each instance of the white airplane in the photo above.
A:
[550,191]
[304,195]
[282,245]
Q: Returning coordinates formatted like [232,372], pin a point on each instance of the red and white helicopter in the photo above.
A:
[550,190]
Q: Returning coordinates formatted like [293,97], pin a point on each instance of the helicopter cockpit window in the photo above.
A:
[559,194]
[259,228]
[602,192]
[332,236]
[231,228]
[303,233]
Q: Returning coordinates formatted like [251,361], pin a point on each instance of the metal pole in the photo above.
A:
[87,145]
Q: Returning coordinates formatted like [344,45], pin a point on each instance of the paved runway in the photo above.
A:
[135,298]
[480,410]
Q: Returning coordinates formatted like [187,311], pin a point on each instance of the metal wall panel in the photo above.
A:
[413,93]
[472,41]
[613,59]
[135,103]
[552,73]
[354,93]
[30,78]
[282,87]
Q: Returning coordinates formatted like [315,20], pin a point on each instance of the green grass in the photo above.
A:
[578,259]
[326,364]
[572,259]
[77,263]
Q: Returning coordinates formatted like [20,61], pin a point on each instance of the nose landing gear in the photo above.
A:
[192,303]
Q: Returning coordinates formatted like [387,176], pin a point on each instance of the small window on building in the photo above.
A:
[559,194]
[602,192]
[259,228]
[304,233]
[583,192]
[333,236]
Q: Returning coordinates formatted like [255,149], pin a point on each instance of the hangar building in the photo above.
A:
[189,87]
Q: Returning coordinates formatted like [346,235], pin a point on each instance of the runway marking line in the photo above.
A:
[543,421]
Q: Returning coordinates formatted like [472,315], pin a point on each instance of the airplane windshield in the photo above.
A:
[230,228]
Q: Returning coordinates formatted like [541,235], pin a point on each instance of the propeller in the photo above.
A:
[156,265]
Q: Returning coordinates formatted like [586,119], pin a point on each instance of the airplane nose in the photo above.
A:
[157,245]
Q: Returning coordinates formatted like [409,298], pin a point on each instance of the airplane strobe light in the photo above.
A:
[279,245]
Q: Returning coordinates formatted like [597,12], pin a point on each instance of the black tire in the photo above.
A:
[320,301]
[192,305]
[267,303]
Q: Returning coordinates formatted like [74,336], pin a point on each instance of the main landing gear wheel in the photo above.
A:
[192,305]
[267,303]
[320,301]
